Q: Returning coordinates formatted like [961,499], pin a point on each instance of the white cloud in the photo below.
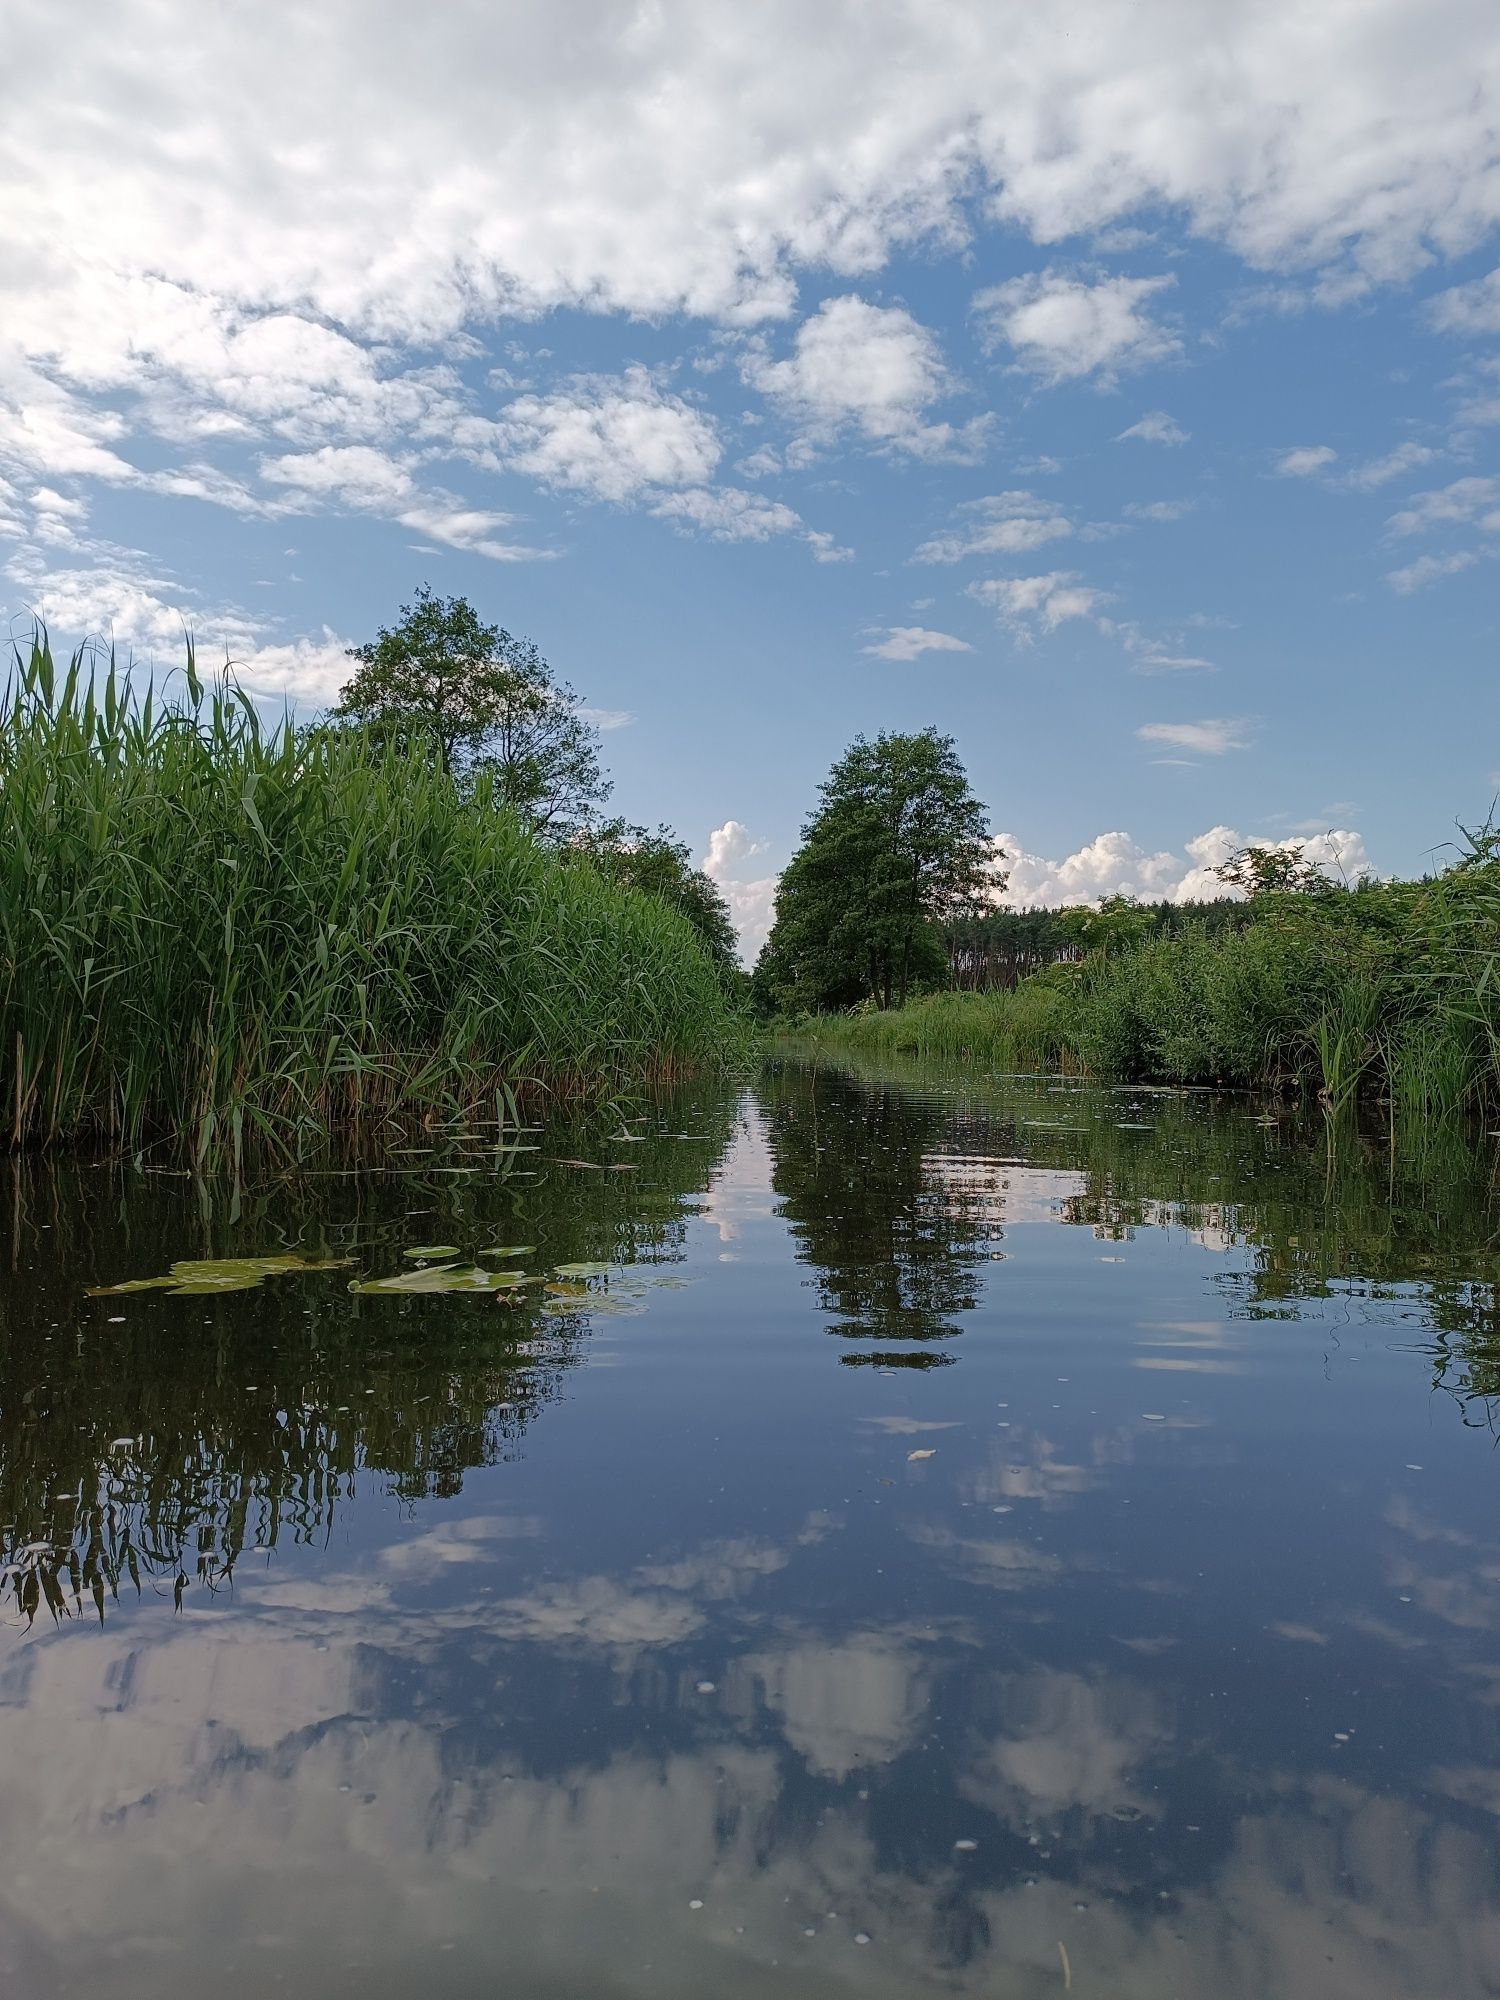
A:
[871,368]
[1471,308]
[1050,600]
[1156,427]
[1380,471]
[1002,524]
[908,642]
[609,438]
[1150,661]
[730,514]
[1114,864]
[1061,327]
[1158,510]
[375,483]
[752,900]
[1303,460]
[1207,739]
[1465,500]
[1429,569]
[606,719]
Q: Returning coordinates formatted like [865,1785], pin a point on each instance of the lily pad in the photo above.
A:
[442,1278]
[510,1250]
[198,1276]
[583,1270]
[431,1253]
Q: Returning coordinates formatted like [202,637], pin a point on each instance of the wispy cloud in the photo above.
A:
[1206,739]
[909,642]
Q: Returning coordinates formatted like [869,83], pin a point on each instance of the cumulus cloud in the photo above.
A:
[1464,500]
[1061,327]
[1303,460]
[872,369]
[1115,864]
[751,898]
[609,438]
[1027,603]
[371,480]
[908,642]
[1380,471]
[1206,739]
[1001,524]
[1158,510]
[1156,427]
[730,514]
[1470,309]
[1429,569]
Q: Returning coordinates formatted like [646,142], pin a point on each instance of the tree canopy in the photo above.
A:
[488,701]
[897,844]
[661,865]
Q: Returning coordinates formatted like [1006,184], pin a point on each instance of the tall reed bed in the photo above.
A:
[1387,993]
[213,929]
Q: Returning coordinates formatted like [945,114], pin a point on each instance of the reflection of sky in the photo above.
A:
[716,1673]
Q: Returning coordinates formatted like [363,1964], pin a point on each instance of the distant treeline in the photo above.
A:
[1000,948]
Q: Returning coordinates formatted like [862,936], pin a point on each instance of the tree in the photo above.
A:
[661,865]
[897,845]
[488,702]
[1113,924]
[1271,871]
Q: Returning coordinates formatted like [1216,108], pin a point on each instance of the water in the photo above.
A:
[987,1538]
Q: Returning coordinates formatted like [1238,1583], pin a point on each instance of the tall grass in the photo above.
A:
[1390,992]
[214,929]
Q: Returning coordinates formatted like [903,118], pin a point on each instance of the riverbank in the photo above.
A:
[212,931]
[1387,993]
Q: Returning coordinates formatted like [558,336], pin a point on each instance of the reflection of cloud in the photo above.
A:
[467,1541]
[844,1705]
[1028,1468]
[1002,1565]
[1067,1742]
[718,1570]
[597,1611]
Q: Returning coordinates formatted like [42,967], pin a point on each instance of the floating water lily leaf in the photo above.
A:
[569,1291]
[442,1278]
[510,1250]
[583,1270]
[430,1253]
[200,1275]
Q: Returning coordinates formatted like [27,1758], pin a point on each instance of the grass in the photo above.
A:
[215,931]
[1387,993]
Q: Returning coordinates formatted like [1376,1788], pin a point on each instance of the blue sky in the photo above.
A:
[1117,390]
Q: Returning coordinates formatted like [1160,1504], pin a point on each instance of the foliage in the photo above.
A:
[897,844]
[1385,990]
[490,704]
[1273,871]
[209,929]
[661,865]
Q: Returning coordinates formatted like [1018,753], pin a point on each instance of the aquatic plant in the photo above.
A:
[213,929]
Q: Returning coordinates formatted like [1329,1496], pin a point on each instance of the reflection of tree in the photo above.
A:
[895,1238]
[156,1438]
[1410,1235]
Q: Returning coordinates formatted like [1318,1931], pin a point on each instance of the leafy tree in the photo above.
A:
[1116,922]
[488,701]
[661,865]
[1272,871]
[898,844]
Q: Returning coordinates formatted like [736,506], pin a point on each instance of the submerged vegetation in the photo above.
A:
[215,929]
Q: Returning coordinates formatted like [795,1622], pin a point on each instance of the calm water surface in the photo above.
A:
[979,1538]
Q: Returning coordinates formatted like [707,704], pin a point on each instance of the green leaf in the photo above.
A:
[430,1253]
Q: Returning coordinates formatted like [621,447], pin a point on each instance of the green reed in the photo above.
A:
[213,929]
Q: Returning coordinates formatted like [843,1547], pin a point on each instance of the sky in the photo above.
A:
[1115,389]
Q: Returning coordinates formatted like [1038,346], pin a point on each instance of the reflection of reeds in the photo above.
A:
[224,933]
[168,1436]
